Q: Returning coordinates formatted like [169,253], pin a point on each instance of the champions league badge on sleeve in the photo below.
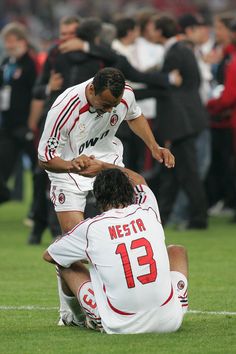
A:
[114,119]
[52,143]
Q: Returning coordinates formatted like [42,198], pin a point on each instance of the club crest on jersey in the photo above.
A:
[180,285]
[52,143]
[61,198]
[114,119]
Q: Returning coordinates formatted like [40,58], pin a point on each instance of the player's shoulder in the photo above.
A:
[72,95]
[128,95]
[81,226]
[142,192]
[128,90]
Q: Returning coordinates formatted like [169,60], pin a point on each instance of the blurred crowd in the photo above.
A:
[186,91]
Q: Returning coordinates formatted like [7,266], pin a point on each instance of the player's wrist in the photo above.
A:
[70,166]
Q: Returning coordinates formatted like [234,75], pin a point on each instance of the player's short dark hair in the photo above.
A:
[167,25]
[109,78]
[113,189]
[124,25]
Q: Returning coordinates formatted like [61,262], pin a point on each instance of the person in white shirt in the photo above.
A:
[135,284]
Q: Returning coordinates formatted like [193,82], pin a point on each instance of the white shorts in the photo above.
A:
[66,200]
[167,318]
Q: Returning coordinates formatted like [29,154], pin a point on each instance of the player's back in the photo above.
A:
[127,249]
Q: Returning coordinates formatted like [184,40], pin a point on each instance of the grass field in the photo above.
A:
[28,297]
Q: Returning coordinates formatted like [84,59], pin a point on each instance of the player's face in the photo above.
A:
[103,102]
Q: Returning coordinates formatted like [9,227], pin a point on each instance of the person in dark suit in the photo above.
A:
[17,77]
[181,117]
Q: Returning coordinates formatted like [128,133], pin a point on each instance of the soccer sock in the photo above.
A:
[86,298]
[73,304]
[180,283]
[64,308]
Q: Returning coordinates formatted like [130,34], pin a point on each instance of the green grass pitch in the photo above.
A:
[28,297]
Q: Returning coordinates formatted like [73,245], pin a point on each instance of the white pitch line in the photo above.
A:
[212,312]
[27,308]
[41,308]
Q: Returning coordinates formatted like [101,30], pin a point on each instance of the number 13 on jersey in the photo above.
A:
[146,259]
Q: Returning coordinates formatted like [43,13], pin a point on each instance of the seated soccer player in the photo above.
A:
[135,284]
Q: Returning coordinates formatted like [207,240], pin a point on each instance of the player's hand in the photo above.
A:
[93,169]
[71,45]
[163,155]
[81,163]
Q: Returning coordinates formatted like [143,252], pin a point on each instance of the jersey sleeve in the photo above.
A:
[133,110]
[57,126]
[144,196]
[70,248]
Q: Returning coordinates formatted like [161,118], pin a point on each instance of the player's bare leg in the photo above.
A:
[70,280]
[78,291]
[67,220]
[178,259]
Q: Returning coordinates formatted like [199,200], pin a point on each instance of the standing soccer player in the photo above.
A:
[137,284]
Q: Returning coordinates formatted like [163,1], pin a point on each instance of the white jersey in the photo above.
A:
[73,128]
[130,266]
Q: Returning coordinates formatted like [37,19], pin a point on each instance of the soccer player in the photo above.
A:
[84,120]
[137,285]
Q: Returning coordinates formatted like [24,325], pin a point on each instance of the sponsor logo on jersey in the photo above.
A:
[114,119]
[61,198]
[92,142]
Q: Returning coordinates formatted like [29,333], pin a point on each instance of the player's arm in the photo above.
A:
[142,192]
[97,166]
[55,136]
[141,128]
[59,165]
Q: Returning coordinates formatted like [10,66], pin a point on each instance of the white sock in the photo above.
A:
[75,309]
[64,308]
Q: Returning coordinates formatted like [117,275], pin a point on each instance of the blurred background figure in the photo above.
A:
[181,118]
[49,85]
[220,183]
[195,33]
[17,77]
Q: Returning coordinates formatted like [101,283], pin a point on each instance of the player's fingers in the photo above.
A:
[169,159]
